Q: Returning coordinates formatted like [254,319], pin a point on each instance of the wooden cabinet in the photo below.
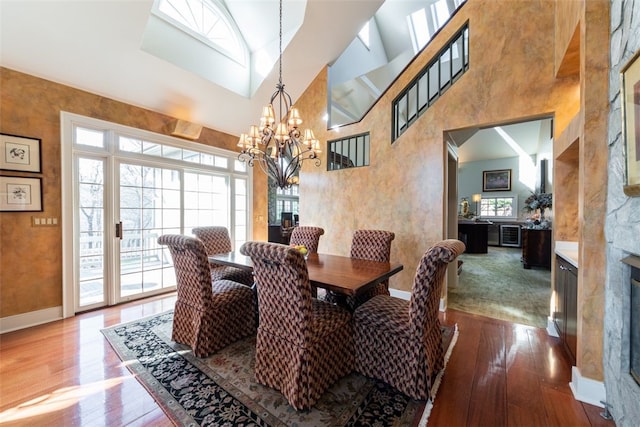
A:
[474,235]
[565,313]
[536,248]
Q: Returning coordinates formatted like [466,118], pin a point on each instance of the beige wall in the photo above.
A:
[513,75]
[31,257]
[511,78]
[580,167]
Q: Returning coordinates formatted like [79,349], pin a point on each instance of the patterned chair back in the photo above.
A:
[427,285]
[284,292]
[307,236]
[216,239]
[191,264]
[374,245]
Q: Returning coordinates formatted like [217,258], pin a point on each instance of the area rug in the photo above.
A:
[496,285]
[221,389]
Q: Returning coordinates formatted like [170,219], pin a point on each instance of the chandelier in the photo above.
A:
[277,145]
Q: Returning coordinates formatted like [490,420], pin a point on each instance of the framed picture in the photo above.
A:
[498,180]
[630,87]
[19,194]
[20,153]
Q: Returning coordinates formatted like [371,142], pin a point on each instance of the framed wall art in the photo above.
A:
[20,153]
[630,88]
[496,180]
[19,194]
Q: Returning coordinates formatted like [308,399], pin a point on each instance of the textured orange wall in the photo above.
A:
[511,78]
[567,21]
[592,199]
[31,257]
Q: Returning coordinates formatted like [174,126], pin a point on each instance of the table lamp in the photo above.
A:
[476,198]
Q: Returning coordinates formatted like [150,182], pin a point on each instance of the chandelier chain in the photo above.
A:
[280,47]
[278,145]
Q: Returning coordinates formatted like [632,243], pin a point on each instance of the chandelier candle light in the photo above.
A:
[277,144]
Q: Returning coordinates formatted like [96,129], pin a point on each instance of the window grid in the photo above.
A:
[497,207]
[438,76]
[152,180]
[349,152]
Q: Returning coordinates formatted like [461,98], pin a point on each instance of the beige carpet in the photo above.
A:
[496,285]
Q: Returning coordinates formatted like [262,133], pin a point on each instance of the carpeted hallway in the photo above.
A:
[496,285]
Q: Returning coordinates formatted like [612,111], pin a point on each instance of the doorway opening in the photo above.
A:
[492,280]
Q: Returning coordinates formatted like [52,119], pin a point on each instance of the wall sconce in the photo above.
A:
[185,129]
[476,198]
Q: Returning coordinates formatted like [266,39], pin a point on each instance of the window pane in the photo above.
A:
[130,144]
[221,162]
[190,156]
[90,137]
[497,207]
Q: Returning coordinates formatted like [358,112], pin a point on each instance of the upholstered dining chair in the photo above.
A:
[373,245]
[216,241]
[385,324]
[208,315]
[303,345]
[310,238]
[307,236]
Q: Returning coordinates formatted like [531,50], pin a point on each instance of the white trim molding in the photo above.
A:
[552,331]
[32,318]
[400,294]
[587,390]
[407,296]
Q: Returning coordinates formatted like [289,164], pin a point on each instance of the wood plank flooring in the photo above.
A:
[66,374]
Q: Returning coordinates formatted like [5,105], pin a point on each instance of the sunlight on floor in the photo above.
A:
[57,400]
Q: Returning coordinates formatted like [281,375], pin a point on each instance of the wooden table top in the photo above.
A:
[344,275]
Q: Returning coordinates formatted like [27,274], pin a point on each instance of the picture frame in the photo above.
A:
[20,153]
[630,99]
[496,180]
[20,194]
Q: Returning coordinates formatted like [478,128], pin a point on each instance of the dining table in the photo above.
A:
[340,274]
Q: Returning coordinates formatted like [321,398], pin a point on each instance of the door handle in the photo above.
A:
[119,230]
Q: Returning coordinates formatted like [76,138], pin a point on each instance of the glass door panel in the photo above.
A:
[150,205]
[91,233]
[206,200]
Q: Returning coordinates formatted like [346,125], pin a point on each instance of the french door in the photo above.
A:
[117,201]
[148,205]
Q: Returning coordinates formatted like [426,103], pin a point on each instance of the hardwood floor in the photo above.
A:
[506,374]
[65,373]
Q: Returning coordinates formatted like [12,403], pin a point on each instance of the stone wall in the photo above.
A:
[622,227]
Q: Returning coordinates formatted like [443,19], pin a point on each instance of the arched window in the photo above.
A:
[208,21]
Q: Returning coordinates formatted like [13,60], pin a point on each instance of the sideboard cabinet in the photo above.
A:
[536,248]
[565,313]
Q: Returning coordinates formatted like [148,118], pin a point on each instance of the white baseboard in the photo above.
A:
[32,318]
[587,390]
[400,294]
[552,331]
[407,296]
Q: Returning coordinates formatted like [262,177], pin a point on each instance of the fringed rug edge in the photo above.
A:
[429,405]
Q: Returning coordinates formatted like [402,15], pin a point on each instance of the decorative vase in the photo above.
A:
[541,214]
[464,207]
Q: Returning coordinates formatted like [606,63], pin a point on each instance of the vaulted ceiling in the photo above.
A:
[96,46]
